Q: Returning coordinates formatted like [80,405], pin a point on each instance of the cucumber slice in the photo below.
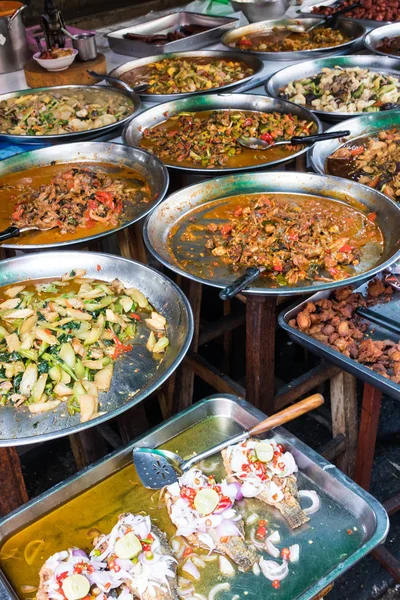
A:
[128,546]
[76,587]
[264,452]
[206,501]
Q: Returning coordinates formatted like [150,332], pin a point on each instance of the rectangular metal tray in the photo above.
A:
[391,310]
[327,549]
[217,25]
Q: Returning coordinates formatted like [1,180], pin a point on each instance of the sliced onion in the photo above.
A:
[27,589]
[208,467]
[77,552]
[175,545]
[235,597]
[198,561]
[315,501]
[209,557]
[251,519]
[275,538]
[249,490]
[225,566]
[271,549]
[221,587]
[199,596]
[294,553]
[256,543]
[238,486]
[189,568]
[185,591]
[273,570]
[227,529]
[256,569]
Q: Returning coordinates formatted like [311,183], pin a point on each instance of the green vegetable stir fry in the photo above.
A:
[59,340]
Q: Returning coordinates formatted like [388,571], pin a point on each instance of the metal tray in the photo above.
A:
[148,165]
[382,64]
[326,548]
[354,30]
[391,309]
[133,132]
[77,136]
[372,38]
[158,226]
[217,26]
[368,23]
[18,426]
[255,63]
[362,126]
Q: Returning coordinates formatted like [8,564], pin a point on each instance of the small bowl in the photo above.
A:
[56,64]
[261,10]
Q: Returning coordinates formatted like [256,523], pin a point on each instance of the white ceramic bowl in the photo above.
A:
[56,64]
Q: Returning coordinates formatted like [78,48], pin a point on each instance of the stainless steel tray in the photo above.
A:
[354,30]
[187,257]
[136,373]
[391,309]
[217,26]
[133,132]
[382,64]
[368,23]
[326,548]
[255,63]
[375,36]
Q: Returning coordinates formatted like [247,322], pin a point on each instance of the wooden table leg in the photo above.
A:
[344,418]
[87,447]
[371,406]
[260,352]
[13,490]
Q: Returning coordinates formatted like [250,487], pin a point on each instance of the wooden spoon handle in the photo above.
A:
[288,414]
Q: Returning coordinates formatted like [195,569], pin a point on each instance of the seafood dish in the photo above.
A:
[209,139]
[372,160]
[294,240]
[346,90]
[389,45]
[59,340]
[280,39]
[159,39]
[69,198]
[375,10]
[267,473]
[184,75]
[62,112]
[204,513]
[133,560]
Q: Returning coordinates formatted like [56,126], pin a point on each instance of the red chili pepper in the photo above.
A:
[92,204]
[262,522]
[238,211]
[225,502]
[247,122]
[278,268]
[346,248]
[106,198]
[245,42]
[371,216]
[294,236]
[120,348]
[357,150]
[19,209]
[280,447]
[333,271]
[188,552]
[267,137]
[60,578]
[285,553]
[225,229]
[224,539]
[98,267]
[261,532]
[134,316]
[349,531]
[276,584]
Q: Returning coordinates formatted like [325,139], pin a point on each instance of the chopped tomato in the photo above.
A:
[371,216]
[261,532]
[106,198]
[276,584]
[247,122]
[357,150]
[225,229]
[245,42]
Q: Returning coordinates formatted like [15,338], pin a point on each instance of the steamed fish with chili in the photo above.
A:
[209,139]
[59,340]
[280,39]
[204,513]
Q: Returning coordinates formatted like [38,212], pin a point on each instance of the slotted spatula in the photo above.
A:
[157,468]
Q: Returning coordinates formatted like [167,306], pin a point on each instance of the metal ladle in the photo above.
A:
[258,144]
[138,89]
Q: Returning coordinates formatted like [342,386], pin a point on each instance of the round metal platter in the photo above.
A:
[136,374]
[278,81]
[365,125]
[133,132]
[165,228]
[372,38]
[146,164]
[251,61]
[352,29]
[307,12]
[77,136]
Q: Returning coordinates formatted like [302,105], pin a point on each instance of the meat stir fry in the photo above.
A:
[210,139]
[313,239]
[182,75]
[376,162]
[335,322]
[348,90]
[77,197]
[377,10]
[390,45]
[280,39]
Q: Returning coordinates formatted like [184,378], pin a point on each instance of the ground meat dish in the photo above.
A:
[376,10]
[280,39]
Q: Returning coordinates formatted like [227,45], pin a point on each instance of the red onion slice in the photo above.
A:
[315,501]
[273,570]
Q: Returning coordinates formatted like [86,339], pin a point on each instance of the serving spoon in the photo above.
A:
[258,144]
[137,89]
[328,21]
[13,231]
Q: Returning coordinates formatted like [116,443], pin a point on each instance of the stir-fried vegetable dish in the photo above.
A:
[374,161]
[280,39]
[295,240]
[59,340]
[348,90]
[182,75]
[64,111]
[209,139]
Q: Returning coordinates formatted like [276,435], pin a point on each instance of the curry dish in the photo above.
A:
[280,39]
[209,139]
[183,75]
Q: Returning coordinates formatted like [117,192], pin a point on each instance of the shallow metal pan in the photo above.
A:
[145,163]
[133,132]
[365,125]
[18,426]
[77,136]
[205,269]
[217,26]
[354,30]
[372,38]
[255,63]
[326,549]
[281,79]
[368,23]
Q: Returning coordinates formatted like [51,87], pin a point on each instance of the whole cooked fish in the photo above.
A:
[203,512]
[267,473]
